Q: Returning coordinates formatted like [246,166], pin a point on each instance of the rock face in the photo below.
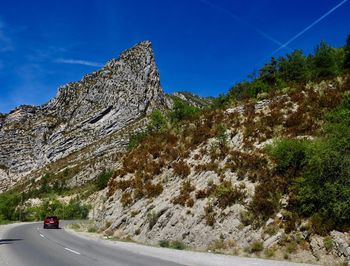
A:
[82,113]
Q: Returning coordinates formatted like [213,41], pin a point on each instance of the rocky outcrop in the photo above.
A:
[82,113]
[190,99]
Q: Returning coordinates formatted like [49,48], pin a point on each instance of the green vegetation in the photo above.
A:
[177,245]
[73,210]
[11,209]
[328,243]
[317,173]
[256,247]
[294,69]
[289,155]
[8,206]
[103,178]
[182,111]
[160,123]
[164,243]
[48,188]
[324,191]
[347,54]
[172,244]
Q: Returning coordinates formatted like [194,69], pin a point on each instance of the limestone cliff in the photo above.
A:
[82,113]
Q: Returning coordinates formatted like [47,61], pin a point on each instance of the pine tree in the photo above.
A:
[347,53]
[294,67]
[325,61]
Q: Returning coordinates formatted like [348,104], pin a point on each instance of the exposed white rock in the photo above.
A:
[82,113]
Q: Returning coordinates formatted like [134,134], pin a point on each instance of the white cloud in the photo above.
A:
[78,62]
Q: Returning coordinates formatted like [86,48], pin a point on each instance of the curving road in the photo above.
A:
[28,244]
[31,245]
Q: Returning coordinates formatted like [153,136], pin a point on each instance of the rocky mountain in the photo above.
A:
[238,177]
[83,113]
[191,99]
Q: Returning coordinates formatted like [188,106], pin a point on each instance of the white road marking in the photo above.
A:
[73,251]
[42,235]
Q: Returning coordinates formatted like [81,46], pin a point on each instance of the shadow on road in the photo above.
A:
[9,241]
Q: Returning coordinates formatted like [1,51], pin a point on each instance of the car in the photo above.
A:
[51,222]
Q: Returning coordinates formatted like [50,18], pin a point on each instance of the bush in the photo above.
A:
[209,214]
[289,155]
[256,247]
[126,199]
[328,243]
[164,243]
[184,197]
[136,138]
[8,205]
[227,194]
[152,218]
[178,245]
[73,210]
[247,218]
[181,168]
[158,122]
[325,187]
[103,178]
[182,111]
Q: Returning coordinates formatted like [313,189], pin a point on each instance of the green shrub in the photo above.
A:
[209,214]
[8,205]
[103,178]
[136,138]
[178,245]
[324,189]
[328,243]
[92,229]
[152,218]
[164,243]
[269,252]
[158,122]
[292,247]
[182,111]
[289,155]
[247,217]
[73,210]
[256,247]
[222,135]
[227,194]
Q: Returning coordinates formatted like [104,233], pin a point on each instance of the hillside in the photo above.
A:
[211,182]
[261,170]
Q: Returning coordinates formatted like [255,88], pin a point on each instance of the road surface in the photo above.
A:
[30,245]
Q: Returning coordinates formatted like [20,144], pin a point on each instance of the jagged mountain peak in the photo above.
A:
[101,103]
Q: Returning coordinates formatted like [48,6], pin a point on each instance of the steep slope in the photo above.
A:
[82,113]
[211,184]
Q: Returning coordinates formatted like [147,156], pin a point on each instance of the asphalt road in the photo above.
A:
[30,245]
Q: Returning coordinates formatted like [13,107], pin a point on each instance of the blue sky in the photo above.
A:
[203,46]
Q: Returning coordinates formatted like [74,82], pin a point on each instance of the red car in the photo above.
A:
[51,222]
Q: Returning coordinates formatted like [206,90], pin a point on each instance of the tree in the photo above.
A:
[347,53]
[158,122]
[324,191]
[182,111]
[268,73]
[325,61]
[294,67]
